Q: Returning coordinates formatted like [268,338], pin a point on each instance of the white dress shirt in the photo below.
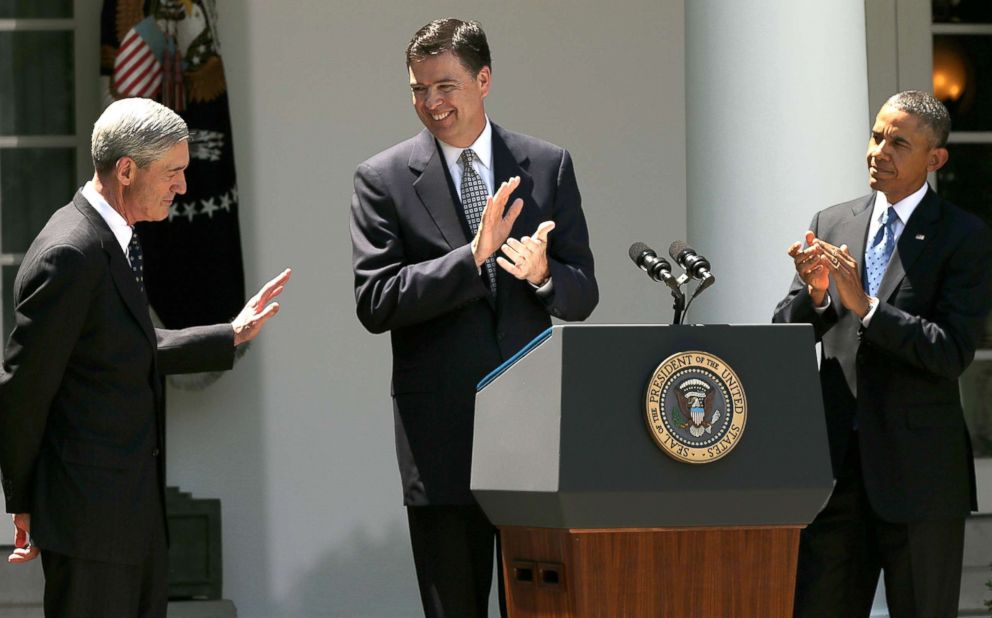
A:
[483,162]
[904,208]
[122,231]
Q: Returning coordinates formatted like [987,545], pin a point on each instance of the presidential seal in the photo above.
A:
[695,407]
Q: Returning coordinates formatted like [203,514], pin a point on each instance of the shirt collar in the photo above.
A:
[482,147]
[117,224]
[904,208]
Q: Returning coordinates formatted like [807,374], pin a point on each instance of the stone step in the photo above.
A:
[177,609]
[22,611]
[976,571]
[22,588]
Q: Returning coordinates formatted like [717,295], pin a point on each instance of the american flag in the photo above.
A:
[138,67]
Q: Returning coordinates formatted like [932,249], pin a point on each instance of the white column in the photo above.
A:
[776,108]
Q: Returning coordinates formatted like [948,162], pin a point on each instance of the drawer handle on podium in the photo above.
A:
[523,572]
[551,575]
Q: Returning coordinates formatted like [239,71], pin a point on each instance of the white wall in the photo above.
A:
[297,441]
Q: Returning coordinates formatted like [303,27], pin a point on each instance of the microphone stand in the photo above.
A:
[678,306]
[707,280]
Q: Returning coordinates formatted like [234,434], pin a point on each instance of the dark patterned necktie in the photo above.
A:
[878,254]
[474,196]
[136,258]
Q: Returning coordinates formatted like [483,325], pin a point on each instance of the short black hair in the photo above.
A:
[465,39]
[928,109]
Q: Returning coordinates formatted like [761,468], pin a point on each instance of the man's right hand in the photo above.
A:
[23,549]
[494,228]
[259,309]
[812,267]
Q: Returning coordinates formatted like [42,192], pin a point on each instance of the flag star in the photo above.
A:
[225,202]
[189,210]
[208,207]
[173,211]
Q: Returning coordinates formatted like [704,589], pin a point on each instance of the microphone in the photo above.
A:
[695,265]
[658,268]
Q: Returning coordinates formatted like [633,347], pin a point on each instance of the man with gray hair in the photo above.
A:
[897,286]
[82,409]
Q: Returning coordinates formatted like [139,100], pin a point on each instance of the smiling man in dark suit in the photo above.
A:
[897,286]
[82,411]
[428,217]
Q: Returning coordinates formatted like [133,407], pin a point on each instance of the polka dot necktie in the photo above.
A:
[878,254]
[474,196]
[136,258]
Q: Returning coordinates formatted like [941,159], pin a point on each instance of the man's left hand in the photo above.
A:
[23,549]
[259,309]
[847,276]
[527,258]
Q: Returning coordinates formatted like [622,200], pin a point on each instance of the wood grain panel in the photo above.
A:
[649,573]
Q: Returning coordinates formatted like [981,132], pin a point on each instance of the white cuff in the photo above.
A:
[873,305]
[543,290]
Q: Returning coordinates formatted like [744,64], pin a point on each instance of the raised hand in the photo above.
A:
[527,258]
[259,309]
[812,266]
[494,228]
[846,273]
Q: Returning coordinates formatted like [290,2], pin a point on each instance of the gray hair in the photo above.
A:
[137,128]
[931,113]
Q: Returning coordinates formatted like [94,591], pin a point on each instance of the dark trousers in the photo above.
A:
[842,552]
[453,553]
[80,588]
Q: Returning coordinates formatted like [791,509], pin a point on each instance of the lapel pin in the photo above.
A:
[920,237]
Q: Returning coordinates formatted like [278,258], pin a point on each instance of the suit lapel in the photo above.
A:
[509,160]
[120,270]
[855,231]
[435,194]
[433,190]
[911,243]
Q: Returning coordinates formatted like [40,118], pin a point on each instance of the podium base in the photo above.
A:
[651,572]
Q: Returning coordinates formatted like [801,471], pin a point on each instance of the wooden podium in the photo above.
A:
[596,520]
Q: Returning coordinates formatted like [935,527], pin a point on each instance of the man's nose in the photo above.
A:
[434,99]
[181,184]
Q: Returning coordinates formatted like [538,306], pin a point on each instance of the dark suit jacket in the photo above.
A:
[81,396]
[415,277]
[898,377]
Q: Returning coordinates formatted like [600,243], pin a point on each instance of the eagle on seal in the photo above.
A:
[695,399]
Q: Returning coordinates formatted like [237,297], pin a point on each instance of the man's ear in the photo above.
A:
[124,170]
[485,79]
[936,159]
